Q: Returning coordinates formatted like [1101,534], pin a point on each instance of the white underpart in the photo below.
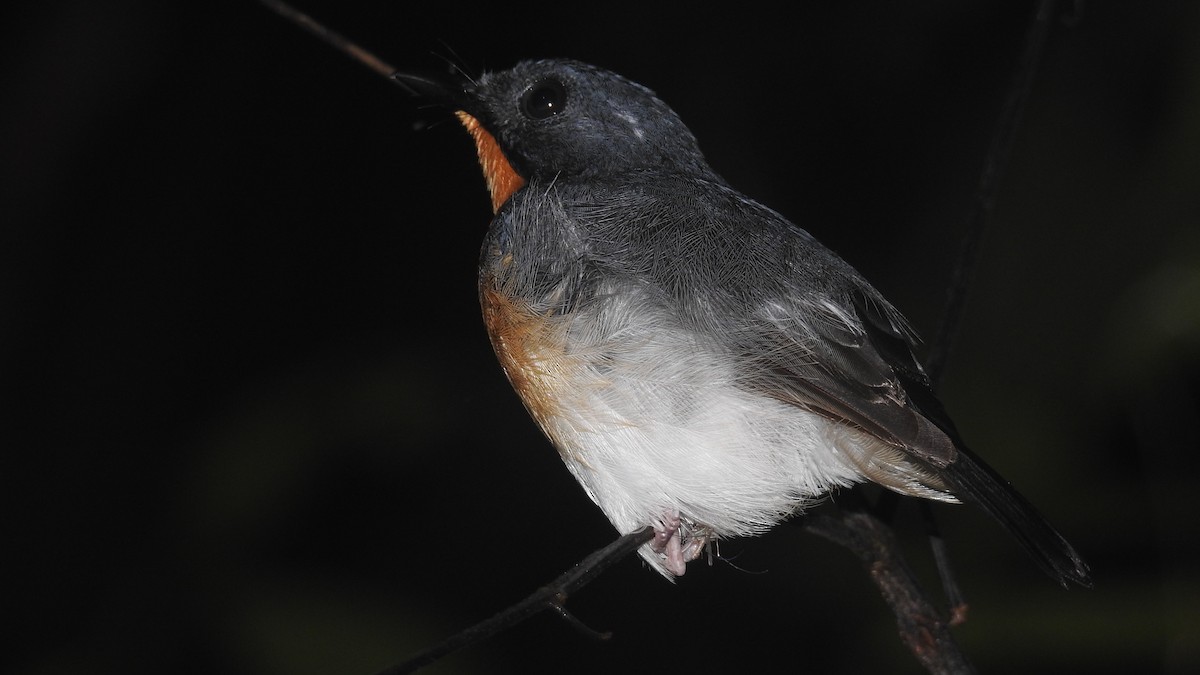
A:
[653,426]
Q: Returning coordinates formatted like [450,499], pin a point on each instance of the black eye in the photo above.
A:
[544,99]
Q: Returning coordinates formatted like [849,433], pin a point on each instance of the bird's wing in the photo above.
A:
[805,329]
[855,364]
[850,359]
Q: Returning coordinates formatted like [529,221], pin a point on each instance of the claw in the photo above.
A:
[668,543]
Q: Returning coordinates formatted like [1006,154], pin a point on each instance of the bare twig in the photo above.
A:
[330,37]
[920,623]
[941,558]
[553,596]
[989,186]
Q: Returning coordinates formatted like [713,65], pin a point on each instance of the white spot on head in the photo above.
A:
[633,125]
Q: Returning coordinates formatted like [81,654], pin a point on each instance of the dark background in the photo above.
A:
[251,422]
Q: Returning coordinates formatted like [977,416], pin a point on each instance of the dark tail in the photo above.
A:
[968,477]
[975,482]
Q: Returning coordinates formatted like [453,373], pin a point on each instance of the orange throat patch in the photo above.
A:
[502,180]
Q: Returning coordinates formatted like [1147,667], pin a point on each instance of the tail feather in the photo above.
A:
[974,481]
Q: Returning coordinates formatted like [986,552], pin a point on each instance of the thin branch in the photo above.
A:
[941,558]
[919,622]
[989,186]
[552,596]
[330,37]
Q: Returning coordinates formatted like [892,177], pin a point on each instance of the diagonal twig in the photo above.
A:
[330,37]
[552,596]
[921,626]
[999,151]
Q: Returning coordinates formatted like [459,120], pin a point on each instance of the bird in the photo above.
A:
[703,365]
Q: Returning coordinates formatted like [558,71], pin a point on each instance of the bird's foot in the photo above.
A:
[675,544]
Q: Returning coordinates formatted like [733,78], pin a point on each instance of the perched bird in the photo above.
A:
[702,365]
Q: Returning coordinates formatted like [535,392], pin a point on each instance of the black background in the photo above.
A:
[252,423]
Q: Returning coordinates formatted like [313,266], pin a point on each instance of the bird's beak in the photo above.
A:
[436,90]
[502,179]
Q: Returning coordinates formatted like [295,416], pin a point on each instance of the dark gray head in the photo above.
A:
[559,117]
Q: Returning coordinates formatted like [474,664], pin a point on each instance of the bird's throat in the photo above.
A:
[502,180]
